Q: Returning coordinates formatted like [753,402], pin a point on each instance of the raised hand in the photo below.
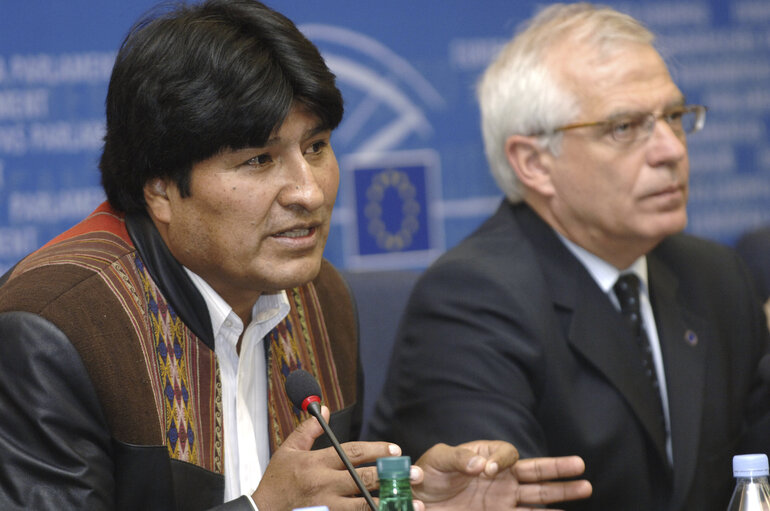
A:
[298,477]
[487,475]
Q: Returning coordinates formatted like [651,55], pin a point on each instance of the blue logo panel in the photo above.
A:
[391,209]
[391,203]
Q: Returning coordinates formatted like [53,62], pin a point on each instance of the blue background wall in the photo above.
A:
[414,177]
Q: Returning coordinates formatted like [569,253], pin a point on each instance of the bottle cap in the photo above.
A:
[750,465]
[394,467]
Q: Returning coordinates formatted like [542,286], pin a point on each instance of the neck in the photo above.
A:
[617,251]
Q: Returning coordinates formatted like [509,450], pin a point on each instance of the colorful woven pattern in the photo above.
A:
[169,339]
[299,342]
[178,362]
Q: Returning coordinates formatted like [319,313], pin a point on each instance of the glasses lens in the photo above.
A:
[628,129]
[689,121]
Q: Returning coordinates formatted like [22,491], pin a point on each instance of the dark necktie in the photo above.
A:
[627,291]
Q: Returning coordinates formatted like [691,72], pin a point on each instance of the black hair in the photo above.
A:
[192,81]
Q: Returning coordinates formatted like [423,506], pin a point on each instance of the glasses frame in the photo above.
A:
[650,119]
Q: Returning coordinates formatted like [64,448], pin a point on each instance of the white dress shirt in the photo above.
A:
[244,385]
[605,276]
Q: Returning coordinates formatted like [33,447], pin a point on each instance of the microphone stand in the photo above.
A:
[315,410]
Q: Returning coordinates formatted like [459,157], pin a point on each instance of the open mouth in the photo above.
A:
[296,233]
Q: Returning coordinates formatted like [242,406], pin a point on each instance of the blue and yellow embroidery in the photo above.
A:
[169,337]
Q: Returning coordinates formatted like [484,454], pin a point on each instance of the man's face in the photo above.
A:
[257,219]
[611,196]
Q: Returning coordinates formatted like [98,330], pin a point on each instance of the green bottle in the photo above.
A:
[395,490]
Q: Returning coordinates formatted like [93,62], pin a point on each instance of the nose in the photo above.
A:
[303,187]
[665,146]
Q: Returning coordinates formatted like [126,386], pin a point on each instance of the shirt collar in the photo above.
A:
[603,272]
[270,308]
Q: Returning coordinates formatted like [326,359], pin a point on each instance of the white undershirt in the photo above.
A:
[244,384]
[605,276]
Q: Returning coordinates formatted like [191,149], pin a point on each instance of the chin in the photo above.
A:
[294,274]
[679,222]
[672,224]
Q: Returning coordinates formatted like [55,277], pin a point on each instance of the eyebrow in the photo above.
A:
[310,133]
[680,101]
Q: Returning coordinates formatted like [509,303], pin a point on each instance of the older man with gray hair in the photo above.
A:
[578,319]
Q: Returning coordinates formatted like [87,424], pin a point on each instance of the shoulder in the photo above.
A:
[498,253]
[691,255]
[81,283]
[69,270]
[684,242]
[336,303]
[99,243]
[754,240]
[754,248]
[706,272]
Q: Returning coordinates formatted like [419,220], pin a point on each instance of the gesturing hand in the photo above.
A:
[486,475]
[298,477]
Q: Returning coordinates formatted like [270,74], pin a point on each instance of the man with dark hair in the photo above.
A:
[144,352]
[578,318]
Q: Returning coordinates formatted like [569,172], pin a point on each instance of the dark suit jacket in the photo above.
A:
[507,336]
[754,248]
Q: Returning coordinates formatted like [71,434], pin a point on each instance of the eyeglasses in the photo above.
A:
[683,120]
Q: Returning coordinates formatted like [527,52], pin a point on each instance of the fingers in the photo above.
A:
[358,453]
[416,475]
[549,493]
[537,477]
[298,476]
[497,455]
[443,458]
[367,452]
[502,456]
[532,470]
[304,435]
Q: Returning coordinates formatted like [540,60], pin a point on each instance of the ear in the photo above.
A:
[531,163]
[156,197]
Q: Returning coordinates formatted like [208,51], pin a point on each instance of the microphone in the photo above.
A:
[305,393]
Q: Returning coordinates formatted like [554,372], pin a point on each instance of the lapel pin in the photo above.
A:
[690,338]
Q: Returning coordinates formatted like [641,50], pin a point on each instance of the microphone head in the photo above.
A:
[300,385]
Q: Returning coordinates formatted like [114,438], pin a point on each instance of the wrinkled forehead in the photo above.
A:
[627,76]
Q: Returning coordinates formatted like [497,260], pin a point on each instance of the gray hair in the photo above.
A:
[519,94]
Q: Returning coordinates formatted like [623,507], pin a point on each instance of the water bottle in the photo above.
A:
[752,492]
[395,489]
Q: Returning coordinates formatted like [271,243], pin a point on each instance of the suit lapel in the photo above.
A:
[684,340]
[596,329]
[599,333]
